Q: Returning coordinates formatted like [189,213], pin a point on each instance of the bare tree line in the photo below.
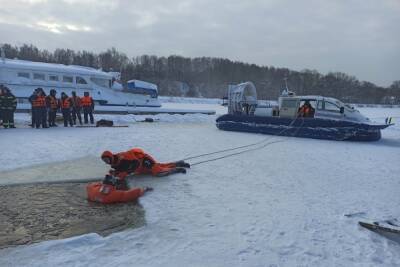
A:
[209,77]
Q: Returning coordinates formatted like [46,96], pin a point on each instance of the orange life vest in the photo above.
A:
[65,103]
[76,101]
[53,102]
[305,111]
[39,102]
[86,101]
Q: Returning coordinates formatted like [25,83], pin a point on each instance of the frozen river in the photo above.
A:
[282,205]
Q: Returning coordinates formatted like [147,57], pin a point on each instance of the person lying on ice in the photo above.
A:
[107,192]
[136,161]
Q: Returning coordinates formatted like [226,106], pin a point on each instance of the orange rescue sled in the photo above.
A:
[107,194]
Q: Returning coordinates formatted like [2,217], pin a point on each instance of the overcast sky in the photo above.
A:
[358,37]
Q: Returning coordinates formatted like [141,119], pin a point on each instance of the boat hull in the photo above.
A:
[301,127]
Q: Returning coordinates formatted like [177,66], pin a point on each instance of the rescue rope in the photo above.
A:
[229,149]
[237,153]
[251,149]
[249,145]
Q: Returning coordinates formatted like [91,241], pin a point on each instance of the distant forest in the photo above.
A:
[209,77]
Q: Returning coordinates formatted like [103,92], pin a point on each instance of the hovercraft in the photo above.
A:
[326,117]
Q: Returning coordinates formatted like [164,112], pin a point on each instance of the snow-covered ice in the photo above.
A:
[282,205]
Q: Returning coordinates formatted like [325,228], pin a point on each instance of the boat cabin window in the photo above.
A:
[80,80]
[320,105]
[23,75]
[39,76]
[288,107]
[53,78]
[329,106]
[143,91]
[289,103]
[68,79]
[101,82]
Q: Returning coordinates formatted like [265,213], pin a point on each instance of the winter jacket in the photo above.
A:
[8,101]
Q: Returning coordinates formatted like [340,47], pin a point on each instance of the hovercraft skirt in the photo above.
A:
[301,127]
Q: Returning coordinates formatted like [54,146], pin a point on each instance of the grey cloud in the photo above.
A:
[357,37]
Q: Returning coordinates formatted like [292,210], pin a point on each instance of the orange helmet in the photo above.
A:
[107,155]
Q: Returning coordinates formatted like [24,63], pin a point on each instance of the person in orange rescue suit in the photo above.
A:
[76,108]
[107,192]
[88,106]
[40,109]
[306,110]
[136,161]
[65,104]
[52,107]
[33,112]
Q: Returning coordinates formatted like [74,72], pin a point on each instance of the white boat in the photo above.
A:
[22,77]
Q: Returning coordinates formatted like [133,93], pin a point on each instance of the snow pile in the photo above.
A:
[23,119]
[173,108]
[169,118]
[219,109]
[282,205]
[189,100]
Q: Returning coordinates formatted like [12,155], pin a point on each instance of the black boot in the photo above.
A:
[183,164]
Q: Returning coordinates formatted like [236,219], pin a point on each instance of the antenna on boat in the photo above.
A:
[286,91]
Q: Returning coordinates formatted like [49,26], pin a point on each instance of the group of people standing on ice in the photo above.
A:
[44,108]
[8,105]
